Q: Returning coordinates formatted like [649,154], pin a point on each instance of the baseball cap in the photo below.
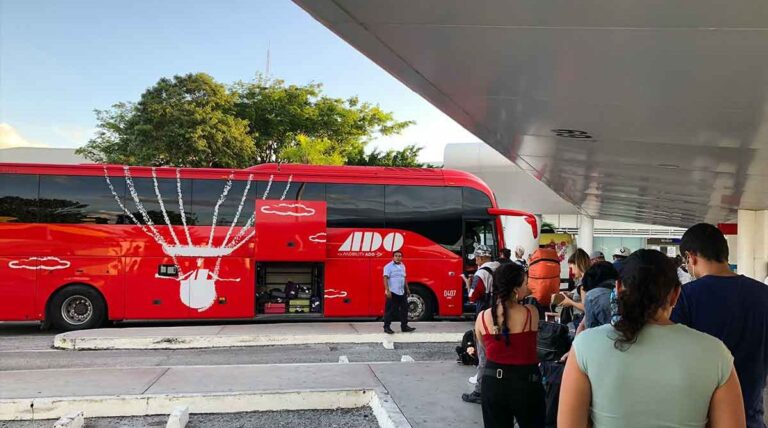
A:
[622,251]
[596,255]
[483,251]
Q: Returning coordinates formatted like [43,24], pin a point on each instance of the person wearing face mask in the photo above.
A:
[730,307]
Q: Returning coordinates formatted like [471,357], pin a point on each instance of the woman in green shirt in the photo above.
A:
[647,371]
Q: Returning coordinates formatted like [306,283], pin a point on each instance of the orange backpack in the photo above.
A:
[544,275]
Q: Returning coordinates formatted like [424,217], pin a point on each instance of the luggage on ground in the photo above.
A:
[467,350]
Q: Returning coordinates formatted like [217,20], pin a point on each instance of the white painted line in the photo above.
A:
[388,344]
[406,359]
[73,420]
[343,359]
[179,417]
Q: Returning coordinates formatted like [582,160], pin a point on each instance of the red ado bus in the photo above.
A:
[82,244]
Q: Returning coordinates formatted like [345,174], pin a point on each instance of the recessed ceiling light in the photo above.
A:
[668,165]
[572,133]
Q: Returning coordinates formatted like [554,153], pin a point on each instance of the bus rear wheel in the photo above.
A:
[77,307]
[421,304]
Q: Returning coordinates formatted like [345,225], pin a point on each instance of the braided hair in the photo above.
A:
[647,278]
[506,280]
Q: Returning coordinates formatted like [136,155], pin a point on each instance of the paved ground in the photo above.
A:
[29,367]
[343,418]
[427,392]
[293,354]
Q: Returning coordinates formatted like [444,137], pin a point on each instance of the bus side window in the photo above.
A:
[18,198]
[167,187]
[295,191]
[355,205]
[433,212]
[206,193]
[80,199]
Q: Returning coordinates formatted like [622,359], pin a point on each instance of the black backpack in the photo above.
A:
[468,340]
[552,341]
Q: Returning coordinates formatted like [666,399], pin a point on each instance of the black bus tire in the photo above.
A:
[421,303]
[77,307]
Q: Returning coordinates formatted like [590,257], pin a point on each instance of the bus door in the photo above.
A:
[478,231]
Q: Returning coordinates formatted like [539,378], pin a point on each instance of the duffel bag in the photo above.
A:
[553,341]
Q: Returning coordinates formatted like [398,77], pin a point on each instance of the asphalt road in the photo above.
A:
[25,347]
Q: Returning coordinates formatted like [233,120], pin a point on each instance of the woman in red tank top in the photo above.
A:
[511,387]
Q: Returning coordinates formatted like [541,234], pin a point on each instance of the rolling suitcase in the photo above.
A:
[274,308]
[298,305]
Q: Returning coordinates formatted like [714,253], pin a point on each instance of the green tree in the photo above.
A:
[184,121]
[194,121]
[407,157]
[314,151]
[278,113]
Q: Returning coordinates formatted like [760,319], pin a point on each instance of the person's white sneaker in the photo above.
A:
[472,380]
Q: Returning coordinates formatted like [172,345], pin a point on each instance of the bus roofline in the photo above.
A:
[529,218]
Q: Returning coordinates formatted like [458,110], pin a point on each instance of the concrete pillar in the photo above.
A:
[586,233]
[745,245]
[761,245]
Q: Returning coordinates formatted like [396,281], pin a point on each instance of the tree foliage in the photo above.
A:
[407,157]
[314,151]
[184,121]
[194,121]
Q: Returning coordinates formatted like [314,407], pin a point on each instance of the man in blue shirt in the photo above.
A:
[730,307]
[397,292]
[598,283]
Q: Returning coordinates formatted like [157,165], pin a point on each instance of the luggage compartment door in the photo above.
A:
[290,230]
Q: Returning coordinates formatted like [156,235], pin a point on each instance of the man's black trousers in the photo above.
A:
[396,308]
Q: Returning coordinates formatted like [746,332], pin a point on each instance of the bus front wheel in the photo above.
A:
[421,304]
[77,307]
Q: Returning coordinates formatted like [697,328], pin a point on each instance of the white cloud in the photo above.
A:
[9,137]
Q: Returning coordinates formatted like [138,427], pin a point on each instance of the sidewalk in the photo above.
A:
[218,336]
[424,394]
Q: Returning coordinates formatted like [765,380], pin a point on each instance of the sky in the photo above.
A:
[60,60]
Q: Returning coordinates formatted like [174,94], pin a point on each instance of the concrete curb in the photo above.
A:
[75,420]
[63,341]
[179,417]
[385,410]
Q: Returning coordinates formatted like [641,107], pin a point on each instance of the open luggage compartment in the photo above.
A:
[294,289]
